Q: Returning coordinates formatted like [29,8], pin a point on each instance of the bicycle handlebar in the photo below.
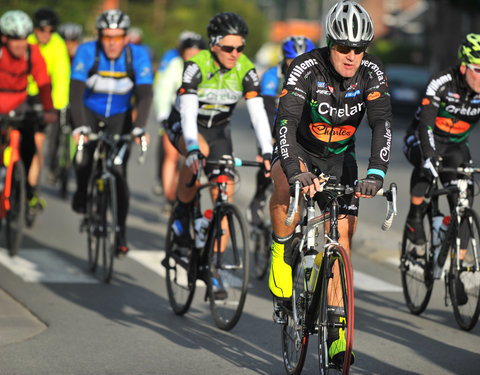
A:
[226,162]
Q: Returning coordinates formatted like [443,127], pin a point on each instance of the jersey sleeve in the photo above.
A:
[41,77]
[60,74]
[83,61]
[142,65]
[379,112]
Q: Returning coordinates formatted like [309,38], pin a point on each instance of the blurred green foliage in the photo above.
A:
[161,20]
[397,52]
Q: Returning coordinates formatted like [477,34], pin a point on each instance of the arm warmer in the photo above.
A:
[188,114]
[77,88]
[259,118]
[144,96]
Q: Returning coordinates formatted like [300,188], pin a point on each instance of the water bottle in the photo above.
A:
[201,226]
[437,269]
[315,270]
[308,262]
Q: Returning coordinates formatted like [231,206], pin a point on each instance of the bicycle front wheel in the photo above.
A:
[464,275]
[228,269]
[335,346]
[109,228]
[92,221]
[294,336]
[180,263]
[417,271]
[15,219]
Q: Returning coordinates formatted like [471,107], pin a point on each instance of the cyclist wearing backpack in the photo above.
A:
[105,75]
[18,59]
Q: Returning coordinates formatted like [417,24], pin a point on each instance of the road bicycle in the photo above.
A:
[458,253]
[63,153]
[101,218]
[222,263]
[12,182]
[308,311]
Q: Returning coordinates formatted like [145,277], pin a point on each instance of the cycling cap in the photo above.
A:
[469,51]
[226,23]
[71,31]
[46,17]
[16,24]
[349,24]
[112,19]
[296,45]
[194,40]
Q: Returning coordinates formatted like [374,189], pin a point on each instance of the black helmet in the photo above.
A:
[193,40]
[112,19]
[46,17]
[226,23]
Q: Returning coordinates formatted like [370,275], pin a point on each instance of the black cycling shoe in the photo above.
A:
[122,248]
[79,203]
[281,310]
[462,297]
[415,231]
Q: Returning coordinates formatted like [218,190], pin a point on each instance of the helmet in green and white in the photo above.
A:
[469,51]
[16,24]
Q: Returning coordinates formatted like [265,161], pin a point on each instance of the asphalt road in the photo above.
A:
[56,318]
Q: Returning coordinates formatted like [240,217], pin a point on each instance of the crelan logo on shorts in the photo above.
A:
[329,133]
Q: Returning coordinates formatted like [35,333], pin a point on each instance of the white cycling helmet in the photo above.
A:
[112,19]
[349,24]
[16,24]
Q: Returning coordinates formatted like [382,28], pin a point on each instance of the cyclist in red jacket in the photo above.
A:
[18,59]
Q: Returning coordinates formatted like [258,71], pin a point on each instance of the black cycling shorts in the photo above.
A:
[218,138]
[343,166]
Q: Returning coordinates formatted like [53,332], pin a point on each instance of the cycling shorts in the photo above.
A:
[218,138]
[343,166]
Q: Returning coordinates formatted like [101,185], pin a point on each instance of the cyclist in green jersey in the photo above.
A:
[213,82]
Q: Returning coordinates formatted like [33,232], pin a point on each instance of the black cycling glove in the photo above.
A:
[369,185]
[305,178]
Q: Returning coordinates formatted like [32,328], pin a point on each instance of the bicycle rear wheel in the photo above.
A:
[228,266]
[416,268]
[261,239]
[294,335]
[344,298]
[180,263]
[92,221]
[15,220]
[464,280]
[109,228]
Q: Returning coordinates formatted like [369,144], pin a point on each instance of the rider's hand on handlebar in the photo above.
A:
[369,186]
[139,132]
[193,160]
[309,182]
[431,166]
[81,130]
[267,164]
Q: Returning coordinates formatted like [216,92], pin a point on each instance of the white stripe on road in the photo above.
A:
[44,266]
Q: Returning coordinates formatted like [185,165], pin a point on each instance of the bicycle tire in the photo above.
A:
[346,297]
[467,310]
[15,221]
[93,208]
[109,220]
[416,268]
[230,267]
[261,252]
[295,337]
[181,271]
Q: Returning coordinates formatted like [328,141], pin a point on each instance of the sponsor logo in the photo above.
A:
[331,89]
[298,70]
[329,133]
[284,92]
[253,76]
[321,84]
[385,151]
[373,95]
[469,111]
[283,139]
[346,110]
[454,95]
[449,126]
[352,94]
[251,94]
[425,101]
[181,91]
[376,69]
[352,87]
[190,72]
[475,101]
[434,84]
[323,92]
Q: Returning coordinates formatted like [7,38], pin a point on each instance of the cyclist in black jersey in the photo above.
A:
[447,114]
[325,96]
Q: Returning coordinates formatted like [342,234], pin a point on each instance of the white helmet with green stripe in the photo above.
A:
[16,24]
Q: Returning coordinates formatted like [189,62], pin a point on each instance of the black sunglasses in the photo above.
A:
[229,49]
[346,49]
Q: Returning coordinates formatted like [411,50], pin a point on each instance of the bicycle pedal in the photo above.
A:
[279,315]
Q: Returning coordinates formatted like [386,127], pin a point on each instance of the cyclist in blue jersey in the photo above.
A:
[105,75]
[271,86]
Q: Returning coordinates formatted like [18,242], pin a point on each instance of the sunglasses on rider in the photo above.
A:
[474,68]
[229,49]
[116,38]
[346,49]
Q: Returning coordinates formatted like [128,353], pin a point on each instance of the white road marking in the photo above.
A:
[44,266]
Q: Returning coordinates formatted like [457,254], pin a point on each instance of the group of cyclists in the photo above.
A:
[305,113]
